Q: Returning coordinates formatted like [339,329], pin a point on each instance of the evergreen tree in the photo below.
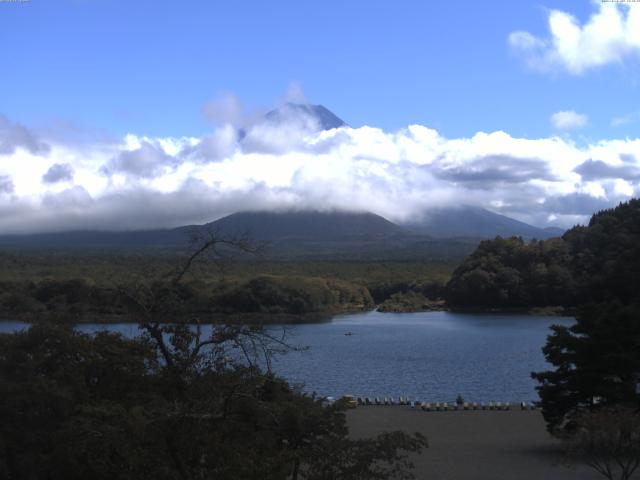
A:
[596,361]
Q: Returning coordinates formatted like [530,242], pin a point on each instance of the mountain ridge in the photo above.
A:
[308,224]
[472,221]
[310,234]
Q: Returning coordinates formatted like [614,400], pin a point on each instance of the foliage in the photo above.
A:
[608,441]
[79,300]
[409,302]
[511,273]
[80,406]
[599,262]
[297,295]
[79,286]
[429,289]
[107,267]
[338,458]
[605,254]
[596,363]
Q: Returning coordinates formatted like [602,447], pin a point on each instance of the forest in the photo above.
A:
[597,262]
[83,286]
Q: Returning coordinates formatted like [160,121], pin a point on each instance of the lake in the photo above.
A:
[431,356]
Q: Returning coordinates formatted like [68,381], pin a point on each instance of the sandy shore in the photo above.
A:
[474,445]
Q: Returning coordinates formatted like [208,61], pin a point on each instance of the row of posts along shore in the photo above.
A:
[353,401]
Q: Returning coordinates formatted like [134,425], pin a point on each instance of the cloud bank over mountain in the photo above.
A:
[250,163]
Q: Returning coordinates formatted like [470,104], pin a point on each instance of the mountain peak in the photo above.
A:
[324,117]
[476,222]
[310,224]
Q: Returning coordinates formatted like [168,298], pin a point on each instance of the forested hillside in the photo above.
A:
[258,298]
[597,262]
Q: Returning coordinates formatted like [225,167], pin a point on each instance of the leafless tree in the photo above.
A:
[608,441]
[154,301]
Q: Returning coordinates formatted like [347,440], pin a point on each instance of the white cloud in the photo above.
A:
[149,159]
[625,119]
[611,35]
[568,120]
[142,182]
[295,94]
[226,108]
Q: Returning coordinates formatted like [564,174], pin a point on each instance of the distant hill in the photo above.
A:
[300,235]
[555,231]
[325,118]
[315,235]
[261,226]
[310,225]
[476,222]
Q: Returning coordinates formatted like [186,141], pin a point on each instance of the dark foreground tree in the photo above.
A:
[77,406]
[597,364]
[180,401]
[608,441]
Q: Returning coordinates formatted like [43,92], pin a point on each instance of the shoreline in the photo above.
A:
[548,311]
[269,318]
[216,319]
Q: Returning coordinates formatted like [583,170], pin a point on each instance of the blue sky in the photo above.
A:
[148,67]
[141,114]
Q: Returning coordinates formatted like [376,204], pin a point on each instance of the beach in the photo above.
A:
[475,445]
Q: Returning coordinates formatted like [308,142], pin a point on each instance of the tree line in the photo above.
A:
[261,296]
[598,262]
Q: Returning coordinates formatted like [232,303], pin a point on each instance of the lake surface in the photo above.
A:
[431,356]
